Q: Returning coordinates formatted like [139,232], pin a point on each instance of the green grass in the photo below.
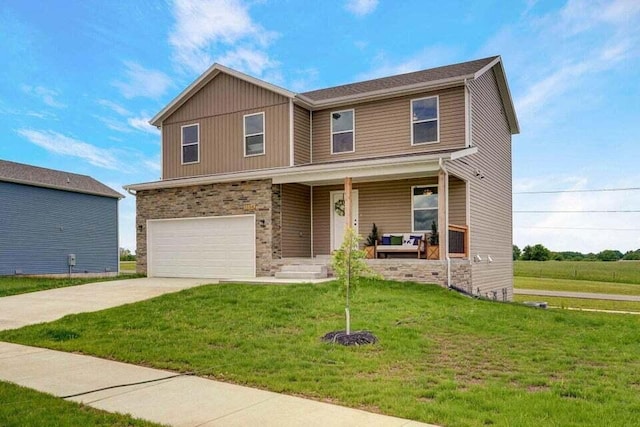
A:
[575,286]
[127,266]
[23,407]
[620,272]
[596,304]
[13,285]
[442,358]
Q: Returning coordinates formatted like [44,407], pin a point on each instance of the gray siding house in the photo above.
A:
[49,216]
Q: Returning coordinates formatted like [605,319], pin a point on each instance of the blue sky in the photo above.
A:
[80,79]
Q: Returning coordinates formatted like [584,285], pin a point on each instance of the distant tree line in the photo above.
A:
[126,255]
[540,253]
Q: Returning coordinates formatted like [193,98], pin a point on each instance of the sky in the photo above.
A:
[81,79]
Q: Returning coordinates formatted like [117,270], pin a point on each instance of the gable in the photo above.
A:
[222,95]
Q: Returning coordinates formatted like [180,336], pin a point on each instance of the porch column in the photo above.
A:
[348,221]
[442,214]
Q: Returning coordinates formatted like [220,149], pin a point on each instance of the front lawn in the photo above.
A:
[22,407]
[13,285]
[441,357]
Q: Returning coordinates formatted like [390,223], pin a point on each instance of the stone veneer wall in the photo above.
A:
[414,270]
[258,197]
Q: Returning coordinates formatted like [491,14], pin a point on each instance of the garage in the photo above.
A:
[211,247]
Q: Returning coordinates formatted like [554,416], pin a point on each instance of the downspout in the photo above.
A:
[446,219]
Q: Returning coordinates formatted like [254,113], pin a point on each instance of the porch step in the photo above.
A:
[301,271]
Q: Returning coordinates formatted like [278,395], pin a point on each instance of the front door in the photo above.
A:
[337,216]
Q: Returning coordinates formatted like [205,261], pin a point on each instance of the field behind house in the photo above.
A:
[441,357]
[599,271]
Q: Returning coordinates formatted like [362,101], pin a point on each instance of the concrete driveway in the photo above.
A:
[44,306]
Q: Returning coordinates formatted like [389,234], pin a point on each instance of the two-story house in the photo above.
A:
[254,176]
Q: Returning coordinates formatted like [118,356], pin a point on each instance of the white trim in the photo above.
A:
[423,209]
[205,78]
[263,133]
[467,133]
[352,131]
[149,240]
[182,144]
[468,213]
[282,175]
[310,136]
[118,234]
[437,120]
[162,152]
[311,212]
[292,159]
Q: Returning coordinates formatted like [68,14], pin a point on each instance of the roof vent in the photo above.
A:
[68,180]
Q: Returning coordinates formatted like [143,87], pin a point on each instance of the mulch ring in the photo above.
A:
[354,338]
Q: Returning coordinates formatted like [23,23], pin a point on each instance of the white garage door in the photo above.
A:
[211,247]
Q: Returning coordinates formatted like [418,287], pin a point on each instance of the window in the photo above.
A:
[424,120]
[342,134]
[190,144]
[425,207]
[254,134]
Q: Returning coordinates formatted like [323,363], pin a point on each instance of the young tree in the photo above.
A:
[349,267]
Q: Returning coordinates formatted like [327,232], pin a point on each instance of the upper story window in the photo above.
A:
[425,126]
[190,144]
[342,132]
[425,207]
[254,134]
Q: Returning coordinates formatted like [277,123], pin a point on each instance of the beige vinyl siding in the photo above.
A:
[490,197]
[383,127]
[219,108]
[296,220]
[301,135]
[385,203]
[457,201]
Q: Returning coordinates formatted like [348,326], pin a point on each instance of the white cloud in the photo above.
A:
[432,56]
[57,143]
[115,107]
[586,231]
[142,82]
[208,31]
[142,124]
[361,7]
[48,96]
[304,80]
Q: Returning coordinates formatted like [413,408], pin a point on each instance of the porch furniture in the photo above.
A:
[394,243]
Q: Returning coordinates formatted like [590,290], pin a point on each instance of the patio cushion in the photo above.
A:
[396,240]
[386,240]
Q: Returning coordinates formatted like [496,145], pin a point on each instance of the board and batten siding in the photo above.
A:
[219,108]
[490,197]
[296,220]
[383,128]
[301,135]
[385,203]
[40,227]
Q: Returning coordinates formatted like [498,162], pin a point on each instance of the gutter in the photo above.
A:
[446,222]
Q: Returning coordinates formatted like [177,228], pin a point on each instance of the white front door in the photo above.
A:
[337,216]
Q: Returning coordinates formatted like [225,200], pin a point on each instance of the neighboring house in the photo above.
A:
[254,176]
[55,222]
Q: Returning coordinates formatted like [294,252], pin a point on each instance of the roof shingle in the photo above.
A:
[49,178]
[400,80]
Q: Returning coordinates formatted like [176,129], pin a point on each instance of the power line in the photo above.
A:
[581,228]
[588,211]
[577,191]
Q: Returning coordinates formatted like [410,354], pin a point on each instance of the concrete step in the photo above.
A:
[307,268]
[301,275]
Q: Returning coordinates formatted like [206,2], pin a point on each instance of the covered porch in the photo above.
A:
[402,198]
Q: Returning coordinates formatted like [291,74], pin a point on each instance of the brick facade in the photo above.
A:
[422,271]
[236,198]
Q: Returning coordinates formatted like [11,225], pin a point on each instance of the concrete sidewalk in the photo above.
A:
[583,295]
[163,397]
[44,306]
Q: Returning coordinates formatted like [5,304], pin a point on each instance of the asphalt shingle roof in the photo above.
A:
[50,178]
[424,76]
